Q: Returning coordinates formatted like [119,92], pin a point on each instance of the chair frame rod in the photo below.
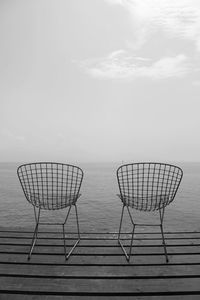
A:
[35,233]
[34,238]
[128,255]
[78,231]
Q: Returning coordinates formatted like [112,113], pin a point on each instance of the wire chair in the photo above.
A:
[147,187]
[51,186]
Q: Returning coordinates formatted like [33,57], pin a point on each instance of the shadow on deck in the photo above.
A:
[98,268]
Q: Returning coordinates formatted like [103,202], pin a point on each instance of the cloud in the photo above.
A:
[123,65]
[174,20]
[180,18]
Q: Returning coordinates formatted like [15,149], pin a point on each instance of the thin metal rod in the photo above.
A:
[78,231]
[72,249]
[63,227]
[130,216]
[77,221]
[132,236]
[67,215]
[34,238]
[130,250]
[162,215]
[151,225]
[162,232]
[164,244]
[51,224]
[120,226]
[127,258]
[35,214]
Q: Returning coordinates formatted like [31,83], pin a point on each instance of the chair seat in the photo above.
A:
[146,203]
[52,201]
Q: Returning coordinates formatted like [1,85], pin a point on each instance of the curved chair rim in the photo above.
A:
[150,162]
[48,162]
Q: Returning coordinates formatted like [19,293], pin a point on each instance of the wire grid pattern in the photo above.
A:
[49,185]
[148,186]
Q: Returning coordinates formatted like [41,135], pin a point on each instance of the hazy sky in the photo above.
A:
[99,80]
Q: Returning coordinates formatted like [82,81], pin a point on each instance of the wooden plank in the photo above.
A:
[97,236]
[125,271]
[103,286]
[101,259]
[98,267]
[96,241]
[106,243]
[140,235]
[58,250]
[49,297]
[45,231]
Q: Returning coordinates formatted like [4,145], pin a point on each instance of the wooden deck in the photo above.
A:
[98,268]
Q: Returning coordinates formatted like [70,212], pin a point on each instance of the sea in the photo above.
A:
[99,208]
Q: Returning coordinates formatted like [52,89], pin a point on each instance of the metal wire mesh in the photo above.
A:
[148,186]
[50,185]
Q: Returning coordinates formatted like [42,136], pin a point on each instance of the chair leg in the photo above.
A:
[120,226]
[34,238]
[163,237]
[67,255]
[128,256]
[63,227]
[130,250]
[77,222]
[164,244]
[119,241]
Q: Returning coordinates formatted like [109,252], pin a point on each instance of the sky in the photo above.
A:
[99,80]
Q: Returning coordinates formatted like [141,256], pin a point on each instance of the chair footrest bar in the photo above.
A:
[72,249]
[124,250]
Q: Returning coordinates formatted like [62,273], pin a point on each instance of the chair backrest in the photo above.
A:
[50,185]
[148,186]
